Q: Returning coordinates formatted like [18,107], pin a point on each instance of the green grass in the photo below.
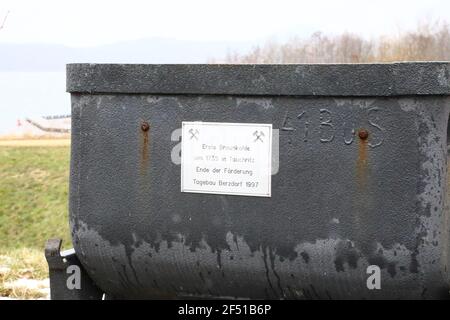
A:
[33,208]
[33,196]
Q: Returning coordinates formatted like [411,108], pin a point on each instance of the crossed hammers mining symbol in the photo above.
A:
[258,136]
[193,134]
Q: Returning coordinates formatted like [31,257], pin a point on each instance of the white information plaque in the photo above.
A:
[226,158]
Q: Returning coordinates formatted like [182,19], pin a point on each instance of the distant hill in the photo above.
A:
[53,57]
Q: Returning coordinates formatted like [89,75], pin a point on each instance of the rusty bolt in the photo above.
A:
[145,126]
[363,134]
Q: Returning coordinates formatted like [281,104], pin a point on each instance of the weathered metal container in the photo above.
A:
[361,181]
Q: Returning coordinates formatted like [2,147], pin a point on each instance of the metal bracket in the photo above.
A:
[68,279]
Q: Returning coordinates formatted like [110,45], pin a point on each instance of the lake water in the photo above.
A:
[31,94]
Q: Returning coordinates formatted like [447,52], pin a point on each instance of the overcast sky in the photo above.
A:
[95,22]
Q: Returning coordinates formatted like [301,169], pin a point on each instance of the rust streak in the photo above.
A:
[362,161]
[361,199]
[145,127]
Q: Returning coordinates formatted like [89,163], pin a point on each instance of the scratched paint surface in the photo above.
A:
[339,203]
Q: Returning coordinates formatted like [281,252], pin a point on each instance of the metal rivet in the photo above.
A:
[363,134]
[145,126]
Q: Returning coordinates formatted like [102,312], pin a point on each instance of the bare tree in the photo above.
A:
[4,20]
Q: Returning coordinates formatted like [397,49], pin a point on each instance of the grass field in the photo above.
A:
[33,208]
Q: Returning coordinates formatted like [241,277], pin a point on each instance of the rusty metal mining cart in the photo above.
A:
[293,181]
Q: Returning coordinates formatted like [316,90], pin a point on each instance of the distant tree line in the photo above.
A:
[430,41]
